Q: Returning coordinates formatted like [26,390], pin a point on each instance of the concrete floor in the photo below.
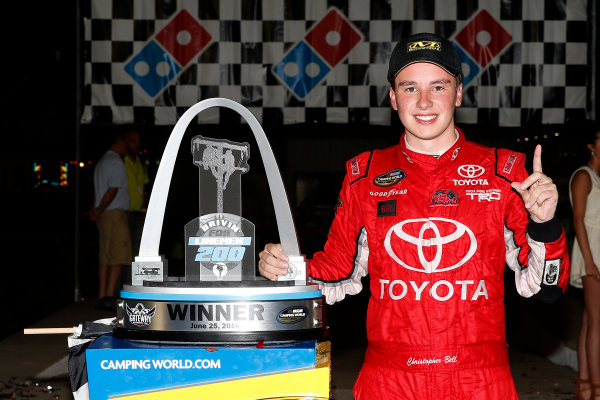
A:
[34,366]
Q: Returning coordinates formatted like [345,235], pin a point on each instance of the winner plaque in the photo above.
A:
[221,298]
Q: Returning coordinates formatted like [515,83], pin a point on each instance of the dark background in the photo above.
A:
[49,250]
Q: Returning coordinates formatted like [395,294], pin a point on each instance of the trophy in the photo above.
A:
[221,298]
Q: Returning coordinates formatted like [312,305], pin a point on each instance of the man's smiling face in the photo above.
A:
[425,96]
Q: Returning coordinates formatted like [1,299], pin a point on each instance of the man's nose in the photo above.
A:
[424,101]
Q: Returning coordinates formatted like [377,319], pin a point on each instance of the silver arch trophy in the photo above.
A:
[221,298]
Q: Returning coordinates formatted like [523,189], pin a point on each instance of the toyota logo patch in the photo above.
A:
[438,241]
[470,170]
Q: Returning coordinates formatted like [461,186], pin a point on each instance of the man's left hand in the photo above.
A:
[538,191]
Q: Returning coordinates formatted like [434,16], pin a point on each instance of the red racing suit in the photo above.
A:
[435,235]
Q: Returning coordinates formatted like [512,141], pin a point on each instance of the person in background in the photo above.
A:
[137,178]
[584,193]
[111,202]
[434,221]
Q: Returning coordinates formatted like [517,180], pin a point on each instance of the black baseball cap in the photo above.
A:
[424,47]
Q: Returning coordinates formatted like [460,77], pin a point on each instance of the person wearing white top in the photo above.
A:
[584,193]
[111,202]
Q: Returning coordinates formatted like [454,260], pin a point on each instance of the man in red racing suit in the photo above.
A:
[435,236]
[435,233]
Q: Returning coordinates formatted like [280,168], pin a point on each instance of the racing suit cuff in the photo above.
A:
[545,232]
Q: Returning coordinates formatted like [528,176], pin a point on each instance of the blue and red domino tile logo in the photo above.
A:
[323,47]
[330,41]
[309,61]
[167,53]
[479,42]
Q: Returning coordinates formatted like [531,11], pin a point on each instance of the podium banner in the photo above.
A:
[525,62]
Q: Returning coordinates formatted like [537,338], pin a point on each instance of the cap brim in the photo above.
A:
[425,61]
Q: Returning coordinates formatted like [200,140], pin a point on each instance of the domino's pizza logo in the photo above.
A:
[323,47]
[168,53]
[479,42]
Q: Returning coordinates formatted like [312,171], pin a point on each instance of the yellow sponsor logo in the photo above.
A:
[425,45]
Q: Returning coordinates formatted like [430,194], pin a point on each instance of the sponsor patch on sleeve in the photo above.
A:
[354,166]
[510,163]
[551,272]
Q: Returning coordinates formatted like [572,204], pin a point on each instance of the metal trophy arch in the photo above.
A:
[220,299]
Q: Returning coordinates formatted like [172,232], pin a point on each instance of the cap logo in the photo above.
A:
[424,45]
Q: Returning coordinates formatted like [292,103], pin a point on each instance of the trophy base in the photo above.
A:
[185,312]
[219,337]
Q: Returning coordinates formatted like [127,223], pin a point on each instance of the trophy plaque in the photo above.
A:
[221,298]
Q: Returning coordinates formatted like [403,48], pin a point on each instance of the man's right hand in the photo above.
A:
[273,262]
[93,214]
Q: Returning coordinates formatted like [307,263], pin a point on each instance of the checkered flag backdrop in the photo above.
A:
[147,62]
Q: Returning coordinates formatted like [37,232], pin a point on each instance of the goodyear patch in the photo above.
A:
[390,178]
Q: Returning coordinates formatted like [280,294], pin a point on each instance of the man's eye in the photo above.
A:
[438,88]
[410,89]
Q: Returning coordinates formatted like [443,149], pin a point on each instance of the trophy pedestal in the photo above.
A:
[123,369]
[220,312]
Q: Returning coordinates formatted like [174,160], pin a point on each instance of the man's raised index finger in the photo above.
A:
[537,159]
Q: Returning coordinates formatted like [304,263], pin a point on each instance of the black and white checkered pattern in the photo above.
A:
[542,76]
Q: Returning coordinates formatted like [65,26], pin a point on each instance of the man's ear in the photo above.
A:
[459,95]
[393,98]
